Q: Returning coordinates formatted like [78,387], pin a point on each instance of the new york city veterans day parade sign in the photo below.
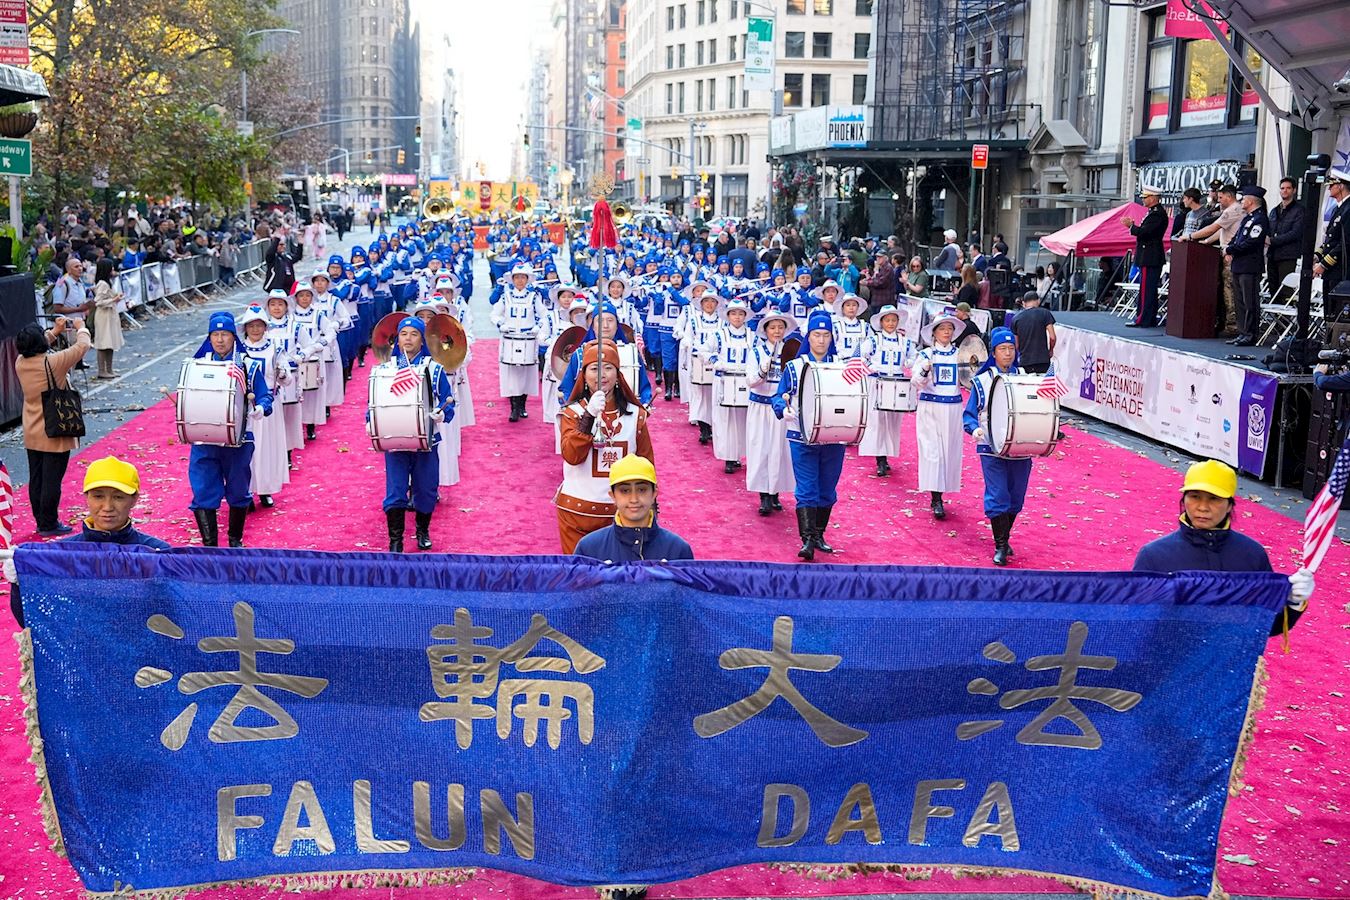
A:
[211,716]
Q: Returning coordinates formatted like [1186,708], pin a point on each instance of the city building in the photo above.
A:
[363,64]
[576,65]
[686,87]
[537,121]
[440,147]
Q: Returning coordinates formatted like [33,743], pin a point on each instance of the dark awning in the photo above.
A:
[1303,40]
[20,85]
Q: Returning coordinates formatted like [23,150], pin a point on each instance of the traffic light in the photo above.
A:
[417,134]
[400,156]
[674,173]
[527,140]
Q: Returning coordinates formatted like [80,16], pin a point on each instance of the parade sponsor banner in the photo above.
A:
[129,284]
[1204,406]
[172,278]
[208,716]
[154,282]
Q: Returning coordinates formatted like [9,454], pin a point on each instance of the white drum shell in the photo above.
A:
[895,395]
[700,373]
[518,351]
[832,411]
[399,422]
[311,371]
[735,392]
[1019,422]
[630,366]
[209,405]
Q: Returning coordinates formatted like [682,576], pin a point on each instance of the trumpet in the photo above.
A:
[437,209]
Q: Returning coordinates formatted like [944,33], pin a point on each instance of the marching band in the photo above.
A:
[779,377]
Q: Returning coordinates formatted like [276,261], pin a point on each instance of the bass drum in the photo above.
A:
[399,421]
[831,410]
[1019,421]
[210,406]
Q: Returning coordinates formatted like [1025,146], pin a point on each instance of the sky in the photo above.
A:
[490,41]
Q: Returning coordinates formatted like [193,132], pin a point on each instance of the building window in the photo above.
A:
[859,89]
[792,89]
[820,90]
[1158,82]
[864,8]
[698,53]
[670,18]
[862,43]
[734,7]
[795,45]
[670,56]
[796,7]
[679,93]
[682,63]
[702,11]
[621,79]
[670,99]
[684,18]
[712,95]
[745,95]
[712,52]
[731,92]
[623,49]
[822,42]
[698,95]
[731,48]
[1248,101]
[823,7]
[1205,75]
[712,10]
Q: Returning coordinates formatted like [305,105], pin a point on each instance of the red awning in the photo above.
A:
[1099,235]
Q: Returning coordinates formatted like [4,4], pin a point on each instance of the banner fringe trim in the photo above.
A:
[1247,736]
[304,881]
[38,759]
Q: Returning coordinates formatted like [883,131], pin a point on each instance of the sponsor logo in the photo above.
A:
[1256,428]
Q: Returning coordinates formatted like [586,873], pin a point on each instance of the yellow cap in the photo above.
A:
[632,468]
[1212,477]
[112,472]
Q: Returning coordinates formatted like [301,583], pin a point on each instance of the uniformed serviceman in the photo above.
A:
[1329,260]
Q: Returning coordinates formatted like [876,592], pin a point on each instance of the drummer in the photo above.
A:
[730,359]
[850,332]
[602,422]
[768,457]
[315,331]
[815,467]
[217,472]
[518,313]
[578,315]
[448,450]
[281,333]
[937,419]
[888,353]
[701,324]
[411,476]
[269,472]
[1005,478]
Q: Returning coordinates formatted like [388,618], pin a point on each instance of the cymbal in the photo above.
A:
[791,347]
[384,335]
[563,347]
[446,341]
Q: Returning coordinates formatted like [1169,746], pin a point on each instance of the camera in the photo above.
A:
[1337,358]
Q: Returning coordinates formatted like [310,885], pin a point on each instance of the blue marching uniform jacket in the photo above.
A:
[815,467]
[411,476]
[223,472]
[1005,478]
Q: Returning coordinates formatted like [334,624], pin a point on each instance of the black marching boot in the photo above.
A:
[524,412]
[704,433]
[515,410]
[939,511]
[729,468]
[236,529]
[806,527]
[1007,538]
[1000,526]
[822,520]
[765,504]
[290,460]
[670,384]
[423,522]
[883,466]
[395,520]
[776,503]
[208,526]
[310,433]
[266,501]
[361,357]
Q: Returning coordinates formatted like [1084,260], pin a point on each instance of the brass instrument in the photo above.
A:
[384,335]
[623,213]
[446,341]
[437,209]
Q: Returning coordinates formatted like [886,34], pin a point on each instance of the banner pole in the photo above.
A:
[15,206]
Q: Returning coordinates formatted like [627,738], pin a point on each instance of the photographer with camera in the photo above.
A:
[1324,380]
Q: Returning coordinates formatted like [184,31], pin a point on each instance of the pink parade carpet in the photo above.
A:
[1091,507]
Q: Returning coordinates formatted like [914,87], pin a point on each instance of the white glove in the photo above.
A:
[11,573]
[1300,589]
[978,435]
[596,405]
[438,415]
[255,413]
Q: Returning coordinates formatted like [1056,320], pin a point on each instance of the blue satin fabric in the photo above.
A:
[648,799]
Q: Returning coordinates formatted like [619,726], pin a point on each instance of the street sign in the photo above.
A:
[979,156]
[16,157]
[634,124]
[759,54]
[689,177]
[244,127]
[14,33]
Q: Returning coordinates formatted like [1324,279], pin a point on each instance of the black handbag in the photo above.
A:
[62,411]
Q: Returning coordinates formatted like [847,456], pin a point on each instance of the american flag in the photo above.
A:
[595,103]
[1052,387]
[855,370]
[6,508]
[237,373]
[406,380]
[1320,524]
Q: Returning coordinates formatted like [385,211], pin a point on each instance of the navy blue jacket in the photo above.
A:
[1190,549]
[1331,382]
[1248,246]
[127,536]
[620,544]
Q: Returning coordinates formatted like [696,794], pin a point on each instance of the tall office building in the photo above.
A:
[362,63]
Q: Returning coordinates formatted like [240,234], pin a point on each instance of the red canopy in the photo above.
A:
[1099,235]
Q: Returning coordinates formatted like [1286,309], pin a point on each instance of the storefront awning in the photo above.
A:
[1303,40]
[20,85]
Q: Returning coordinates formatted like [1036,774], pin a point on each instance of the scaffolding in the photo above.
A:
[950,70]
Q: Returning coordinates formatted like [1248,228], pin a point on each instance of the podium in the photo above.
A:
[1192,289]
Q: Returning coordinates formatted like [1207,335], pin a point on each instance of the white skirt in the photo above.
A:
[295,429]
[728,428]
[333,389]
[549,393]
[517,380]
[312,406]
[463,397]
[447,452]
[267,470]
[940,438]
[700,401]
[768,459]
[882,435]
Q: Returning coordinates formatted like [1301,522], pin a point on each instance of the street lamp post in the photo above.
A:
[243,108]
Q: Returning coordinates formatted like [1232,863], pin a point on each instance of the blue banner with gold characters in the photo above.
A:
[212,715]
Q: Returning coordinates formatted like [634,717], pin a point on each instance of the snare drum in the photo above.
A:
[700,373]
[518,351]
[210,404]
[311,375]
[895,395]
[831,410]
[399,421]
[735,393]
[1018,421]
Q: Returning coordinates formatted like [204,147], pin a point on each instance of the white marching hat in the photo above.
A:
[840,301]
[890,309]
[785,318]
[928,329]
[558,288]
[522,268]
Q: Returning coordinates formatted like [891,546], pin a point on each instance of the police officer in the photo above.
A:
[1329,260]
[1246,255]
[1148,255]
